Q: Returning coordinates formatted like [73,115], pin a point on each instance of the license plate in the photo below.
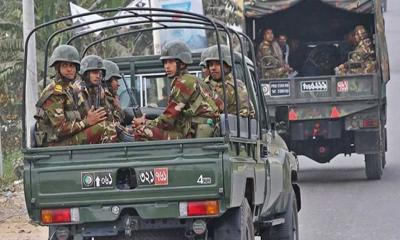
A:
[155,176]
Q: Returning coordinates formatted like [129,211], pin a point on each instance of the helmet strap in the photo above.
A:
[86,78]
[180,68]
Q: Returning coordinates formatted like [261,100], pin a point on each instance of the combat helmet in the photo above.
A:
[112,70]
[212,54]
[360,32]
[203,57]
[176,50]
[65,53]
[92,62]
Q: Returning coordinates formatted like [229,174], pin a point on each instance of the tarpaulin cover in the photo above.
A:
[260,8]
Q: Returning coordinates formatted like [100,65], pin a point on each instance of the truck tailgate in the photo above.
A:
[320,89]
[125,173]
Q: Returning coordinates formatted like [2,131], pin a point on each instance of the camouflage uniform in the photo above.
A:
[111,97]
[192,111]
[271,60]
[59,121]
[114,106]
[245,106]
[113,103]
[94,95]
[362,59]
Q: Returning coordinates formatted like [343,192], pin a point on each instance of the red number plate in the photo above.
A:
[161,176]
[343,86]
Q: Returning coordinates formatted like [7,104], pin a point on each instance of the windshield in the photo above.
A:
[150,90]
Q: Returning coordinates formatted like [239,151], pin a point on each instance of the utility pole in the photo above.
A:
[28,13]
[1,156]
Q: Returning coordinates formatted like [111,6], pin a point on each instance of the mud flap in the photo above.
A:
[367,141]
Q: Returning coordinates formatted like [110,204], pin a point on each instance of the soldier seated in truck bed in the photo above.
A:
[192,109]
[59,121]
[362,59]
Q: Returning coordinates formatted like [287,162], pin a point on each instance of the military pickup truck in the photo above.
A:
[327,114]
[236,185]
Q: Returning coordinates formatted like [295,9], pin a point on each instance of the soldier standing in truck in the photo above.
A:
[270,57]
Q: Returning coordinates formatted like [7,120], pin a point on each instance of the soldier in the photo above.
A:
[93,95]
[111,90]
[192,110]
[270,57]
[215,82]
[204,69]
[362,59]
[59,121]
[282,41]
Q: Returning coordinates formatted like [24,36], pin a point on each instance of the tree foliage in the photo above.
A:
[12,55]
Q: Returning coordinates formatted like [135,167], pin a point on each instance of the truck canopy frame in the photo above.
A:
[160,17]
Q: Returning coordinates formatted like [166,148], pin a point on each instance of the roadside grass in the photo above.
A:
[10,161]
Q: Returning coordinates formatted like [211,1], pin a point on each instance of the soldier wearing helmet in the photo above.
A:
[204,69]
[362,59]
[215,81]
[270,57]
[92,73]
[93,95]
[192,110]
[59,121]
[111,90]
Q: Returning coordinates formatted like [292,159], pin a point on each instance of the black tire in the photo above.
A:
[236,224]
[289,230]
[384,147]
[374,166]
[383,160]
[52,233]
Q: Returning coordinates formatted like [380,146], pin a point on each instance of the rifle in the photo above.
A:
[135,106]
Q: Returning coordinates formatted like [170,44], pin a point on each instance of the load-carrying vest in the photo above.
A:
[200,98]
[44,127]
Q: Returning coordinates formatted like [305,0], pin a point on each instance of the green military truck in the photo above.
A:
[328,114]
[236,185]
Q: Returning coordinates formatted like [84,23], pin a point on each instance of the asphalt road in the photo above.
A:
[338,202]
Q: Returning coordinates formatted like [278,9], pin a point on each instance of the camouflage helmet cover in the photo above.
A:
[213,55]
[65,53]
[92,62]
[112,70]
[176,50]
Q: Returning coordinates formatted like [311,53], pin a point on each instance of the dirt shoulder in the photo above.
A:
[14,221]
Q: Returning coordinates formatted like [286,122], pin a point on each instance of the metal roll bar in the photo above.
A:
[186,17]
